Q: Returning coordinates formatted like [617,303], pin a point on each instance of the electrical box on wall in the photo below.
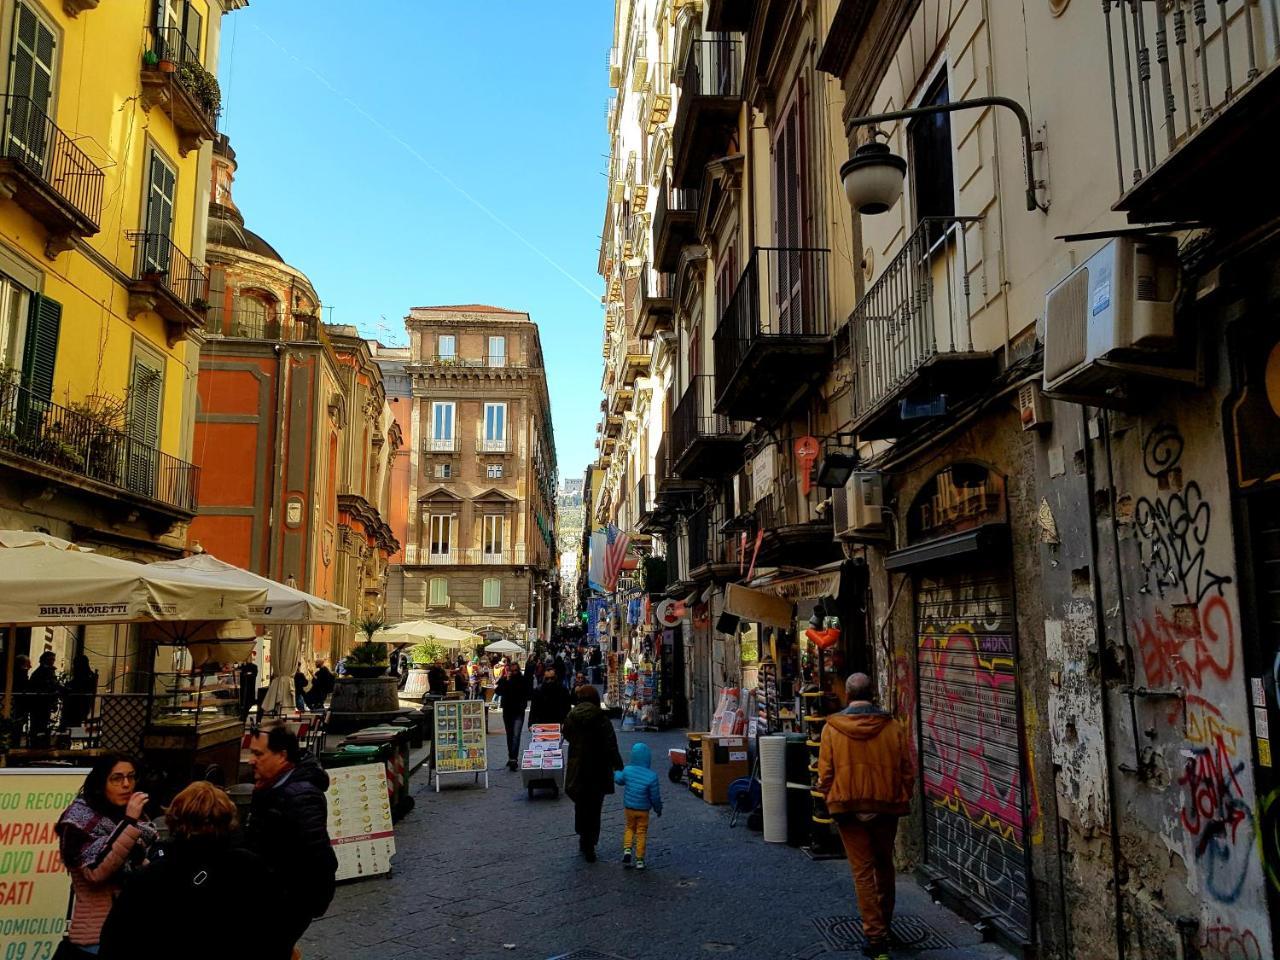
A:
[858,507]
[1033,408]
[1109,324]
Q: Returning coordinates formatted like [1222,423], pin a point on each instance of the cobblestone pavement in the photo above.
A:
[488,873]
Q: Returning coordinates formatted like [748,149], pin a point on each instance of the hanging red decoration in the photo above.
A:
[823,639]
[806,450]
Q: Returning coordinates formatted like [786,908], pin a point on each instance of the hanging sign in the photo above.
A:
[669,613]
[35,889]
[763,469]
[806,450]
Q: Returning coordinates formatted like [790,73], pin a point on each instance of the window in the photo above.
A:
[181,25]
[440,529]
[252,317]
[492,535]
[497,351]
[13,323]
[495,421]
[31,77]
[492,592]
[446,346]
[494,471]
[162,181]
[442,419]
[439,592]
[444,471]
[790,212]
[929,139]
[146,390]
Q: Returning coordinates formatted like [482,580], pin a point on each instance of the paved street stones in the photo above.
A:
[477,870]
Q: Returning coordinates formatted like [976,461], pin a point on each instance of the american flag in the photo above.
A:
[616,542]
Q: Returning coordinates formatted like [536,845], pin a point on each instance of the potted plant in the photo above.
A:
[167,66]
[368,659]
[150,60]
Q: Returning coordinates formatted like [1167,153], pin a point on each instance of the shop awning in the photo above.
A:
[284,604]
[822,582]
[757,605]
[990,539]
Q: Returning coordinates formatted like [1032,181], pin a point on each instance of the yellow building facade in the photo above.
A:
[109,112]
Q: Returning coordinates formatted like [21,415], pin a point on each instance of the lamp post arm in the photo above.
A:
[1024,126]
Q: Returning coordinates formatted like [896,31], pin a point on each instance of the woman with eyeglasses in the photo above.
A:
[103,834]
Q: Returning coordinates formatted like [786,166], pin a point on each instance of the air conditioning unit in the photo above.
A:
[858,507]
[1111,320]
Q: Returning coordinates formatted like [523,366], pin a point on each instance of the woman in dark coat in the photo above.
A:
[593,757]
[78,694]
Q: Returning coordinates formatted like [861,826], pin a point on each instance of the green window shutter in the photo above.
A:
[145,396]
[40,351]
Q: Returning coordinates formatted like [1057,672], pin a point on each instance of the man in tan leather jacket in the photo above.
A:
[866,775]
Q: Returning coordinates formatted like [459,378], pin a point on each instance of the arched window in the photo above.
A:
[254,317]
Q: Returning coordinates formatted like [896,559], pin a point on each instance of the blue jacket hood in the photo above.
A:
[640,755]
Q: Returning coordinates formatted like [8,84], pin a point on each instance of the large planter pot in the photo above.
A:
[366,672]
[362,702]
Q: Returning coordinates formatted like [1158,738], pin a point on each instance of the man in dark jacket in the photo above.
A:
[513,689]
[551,701]
[288,826]
[322,684]
[437,679]
[42,696]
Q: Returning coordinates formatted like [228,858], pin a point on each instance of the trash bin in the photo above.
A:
[391,745]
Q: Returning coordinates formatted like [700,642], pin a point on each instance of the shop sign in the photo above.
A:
[813,587]
[34,887]
[764,467]
[960,497]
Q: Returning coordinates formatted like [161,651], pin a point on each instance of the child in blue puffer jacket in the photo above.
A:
[641,794]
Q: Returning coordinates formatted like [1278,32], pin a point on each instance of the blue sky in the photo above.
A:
[372,138]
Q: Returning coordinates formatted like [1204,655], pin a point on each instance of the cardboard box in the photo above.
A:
[724,760]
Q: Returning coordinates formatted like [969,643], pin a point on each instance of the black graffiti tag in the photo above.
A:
[1175,529]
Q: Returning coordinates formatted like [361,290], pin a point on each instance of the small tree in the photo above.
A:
[369,653]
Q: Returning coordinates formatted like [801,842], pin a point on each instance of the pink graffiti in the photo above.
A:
[905,711]
[985,739]
[1221,942]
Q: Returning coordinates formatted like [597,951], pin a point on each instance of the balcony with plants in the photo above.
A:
[43,171]
[774,336]
[167,282]
[174,79]
[910,338]
[1195,94]
[87,446]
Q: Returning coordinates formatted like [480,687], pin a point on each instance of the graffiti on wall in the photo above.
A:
[1187,643]
[978,811]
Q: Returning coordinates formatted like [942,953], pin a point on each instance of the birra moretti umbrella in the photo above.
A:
[45,581]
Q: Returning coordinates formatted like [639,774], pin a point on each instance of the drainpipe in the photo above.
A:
[277,486]
[1096,586]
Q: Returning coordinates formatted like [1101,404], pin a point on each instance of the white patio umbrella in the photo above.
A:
[420,631]
[285,606]
[45,581]
[508,647]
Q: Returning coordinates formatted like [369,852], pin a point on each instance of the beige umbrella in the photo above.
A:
[45,581]
[421,631]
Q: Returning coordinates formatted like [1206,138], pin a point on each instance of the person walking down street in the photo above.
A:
[101,835]
[288,828]
[322,684]
[551,701]
[300,690]
[203,874]
[866,776]
[640,794]
[513,689]
[248,675]
[437,679]
[593,758]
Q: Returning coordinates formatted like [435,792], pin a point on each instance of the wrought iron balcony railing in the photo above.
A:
[695,422]
[73,183]
[253,326]
[473,556]
[1175,65]
[158,260]
[492,445]
[47,434]
[918,309]
[711,69]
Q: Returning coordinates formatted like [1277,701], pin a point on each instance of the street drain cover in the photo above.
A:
[585,955]
[845,933]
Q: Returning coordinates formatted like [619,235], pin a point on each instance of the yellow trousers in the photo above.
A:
[637,832]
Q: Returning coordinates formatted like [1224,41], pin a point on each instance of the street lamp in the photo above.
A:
[873,176]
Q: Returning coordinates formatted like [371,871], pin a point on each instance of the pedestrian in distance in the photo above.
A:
[300,690]
[78,693]
[437,679]
[866,776]
[640,794]
[101,835]
[551,702]
[593,758]
[203,873]
[322,684]
[42,696]
[513,690]
[248,674]
[288,828]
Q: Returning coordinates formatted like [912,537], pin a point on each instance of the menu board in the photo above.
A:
[460,745]
[34,887]
[360,820]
